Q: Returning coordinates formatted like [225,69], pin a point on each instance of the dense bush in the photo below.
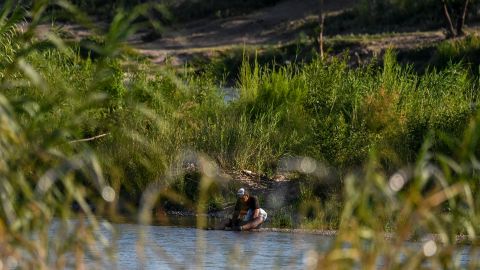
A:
[371,16]
[465,50]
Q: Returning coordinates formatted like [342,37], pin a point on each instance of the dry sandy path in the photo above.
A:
[272,25]
[276,25]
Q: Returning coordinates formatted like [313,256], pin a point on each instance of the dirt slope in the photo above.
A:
[272,25]
[277,25]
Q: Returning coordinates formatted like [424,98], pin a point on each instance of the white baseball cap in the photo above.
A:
[240,192]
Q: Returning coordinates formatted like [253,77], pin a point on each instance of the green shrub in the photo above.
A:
[465,50]
[281,218]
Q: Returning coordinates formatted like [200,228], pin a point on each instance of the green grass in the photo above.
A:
[464,50]
[281,218]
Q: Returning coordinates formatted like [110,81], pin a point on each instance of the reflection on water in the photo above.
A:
[176,247]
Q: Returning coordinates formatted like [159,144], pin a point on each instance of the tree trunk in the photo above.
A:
[322,23]
[450,29]
[461,19]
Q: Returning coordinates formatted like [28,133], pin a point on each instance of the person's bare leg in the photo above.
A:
[252,224]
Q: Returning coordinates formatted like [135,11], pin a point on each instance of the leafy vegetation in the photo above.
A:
[463,50]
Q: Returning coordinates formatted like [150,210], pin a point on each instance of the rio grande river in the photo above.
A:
[134,246]
[163,247]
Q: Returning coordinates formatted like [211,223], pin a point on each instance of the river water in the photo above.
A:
[164,247]
[133,246]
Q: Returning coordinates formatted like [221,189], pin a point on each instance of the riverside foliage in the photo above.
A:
[98,134]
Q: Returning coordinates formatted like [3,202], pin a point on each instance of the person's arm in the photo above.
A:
[236,211]
[256,208]
[256,213]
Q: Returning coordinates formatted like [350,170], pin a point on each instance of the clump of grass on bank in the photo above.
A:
[226,65]
[466,50]
[281,218]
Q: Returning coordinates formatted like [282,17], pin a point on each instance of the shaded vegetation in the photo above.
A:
[191,9]
[183,11]
[399,15]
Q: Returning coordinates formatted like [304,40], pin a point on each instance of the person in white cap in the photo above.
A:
[247,214]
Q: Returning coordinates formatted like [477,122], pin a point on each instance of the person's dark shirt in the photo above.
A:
[251,203]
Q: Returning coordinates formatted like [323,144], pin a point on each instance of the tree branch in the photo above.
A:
[90,139]
[450,29]
[461,19]
[322,23]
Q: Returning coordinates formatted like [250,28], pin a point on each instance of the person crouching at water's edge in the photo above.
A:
[247,214]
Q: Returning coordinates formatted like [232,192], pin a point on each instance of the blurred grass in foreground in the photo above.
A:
[80,136]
